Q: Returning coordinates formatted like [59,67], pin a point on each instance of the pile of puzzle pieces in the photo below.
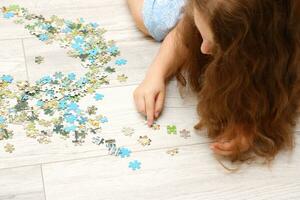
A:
[51,105]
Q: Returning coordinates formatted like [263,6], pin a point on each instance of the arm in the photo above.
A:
[170,57]
[150,94]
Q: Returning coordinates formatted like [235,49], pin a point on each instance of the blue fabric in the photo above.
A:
[160,16]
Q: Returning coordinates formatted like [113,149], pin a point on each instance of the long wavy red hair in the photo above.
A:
[252,79]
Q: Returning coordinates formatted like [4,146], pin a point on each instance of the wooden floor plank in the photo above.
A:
[24,183]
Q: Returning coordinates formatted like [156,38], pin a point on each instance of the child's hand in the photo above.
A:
[149,97]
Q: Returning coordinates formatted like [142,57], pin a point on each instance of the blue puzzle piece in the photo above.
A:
[66,30]
[104,120]
[79,40]
[70,118]
[45,79]
[71,76]
[134,165]
[2,120]
[58,75]
[113,49]
[62,104]
[9,15]
[73,106]
[7,78]
[124,152]
[40,103]
[43,37]
[98,96]
[94,25]
[93,52]
[121,62]
[70,128]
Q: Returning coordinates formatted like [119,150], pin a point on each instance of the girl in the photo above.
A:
[241,57]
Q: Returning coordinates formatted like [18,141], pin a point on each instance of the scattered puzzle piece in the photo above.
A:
[127,131]
[172,152]
[185,133]
[9,148]
[124,152]
[91,110]
[121,62]
[122,78]
[171,129]
[144,140]
[7,78]
[44,140]
[155,126]
[98,140]
[98,96]
[134,165]
[112,147]
[38,59]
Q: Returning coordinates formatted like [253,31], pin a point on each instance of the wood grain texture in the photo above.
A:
[65,171]
[191,174]
[24,183]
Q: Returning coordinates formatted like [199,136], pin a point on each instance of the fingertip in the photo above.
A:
[157,114]
[150,122]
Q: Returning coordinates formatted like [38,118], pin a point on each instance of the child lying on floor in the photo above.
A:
[242,60]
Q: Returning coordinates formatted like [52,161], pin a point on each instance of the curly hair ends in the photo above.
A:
[252,80]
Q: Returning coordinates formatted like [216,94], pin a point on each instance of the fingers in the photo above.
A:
[149,102]
[227,148]
[140,103]
[145,105]
[223,148]
[230,143]
[221,152]
[159,104]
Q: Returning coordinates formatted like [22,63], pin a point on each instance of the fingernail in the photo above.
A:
[156,114]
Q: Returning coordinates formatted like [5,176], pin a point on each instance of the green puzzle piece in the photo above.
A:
[171,129]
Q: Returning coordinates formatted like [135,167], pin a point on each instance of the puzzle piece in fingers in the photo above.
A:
[155,126]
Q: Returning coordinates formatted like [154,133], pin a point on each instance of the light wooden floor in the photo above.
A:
[62,171]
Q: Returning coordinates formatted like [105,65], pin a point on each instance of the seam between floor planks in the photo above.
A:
[25,60]
[18,38]
[42,174]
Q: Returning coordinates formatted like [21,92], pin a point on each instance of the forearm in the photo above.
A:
[170,58]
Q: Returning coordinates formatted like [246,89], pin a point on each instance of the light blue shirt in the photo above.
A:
[160,16]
